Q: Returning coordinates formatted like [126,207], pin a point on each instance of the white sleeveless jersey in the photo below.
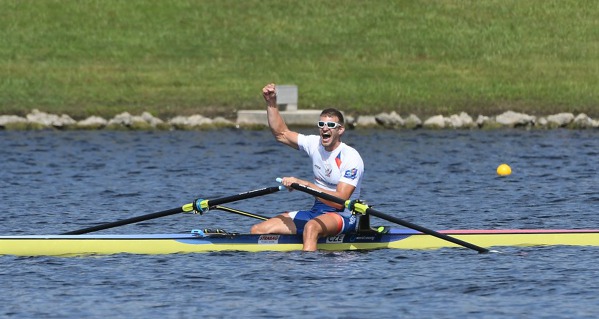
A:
[344,164]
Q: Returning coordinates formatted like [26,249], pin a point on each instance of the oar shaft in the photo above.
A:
[393,219]
[239,212]
[200,204]
[246,195]
[426,230]
[127,221]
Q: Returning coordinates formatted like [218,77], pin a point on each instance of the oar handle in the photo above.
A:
[317,193]
[365,209]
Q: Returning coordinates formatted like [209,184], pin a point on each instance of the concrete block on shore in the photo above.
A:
[412,122]
[292,118]
[92,123]
[560,119]
[390,119]
[514,119]
[435,122]
[583,121]
[50,120]
[366,121]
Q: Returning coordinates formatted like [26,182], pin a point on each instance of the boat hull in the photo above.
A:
[77,245]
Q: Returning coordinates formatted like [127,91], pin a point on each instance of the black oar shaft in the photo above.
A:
[200,203]
[426,230]
[246,195]
[393,219]
[126,221]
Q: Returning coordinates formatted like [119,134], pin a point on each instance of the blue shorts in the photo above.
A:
[346,224]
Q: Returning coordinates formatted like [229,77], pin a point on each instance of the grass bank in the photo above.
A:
[212,57]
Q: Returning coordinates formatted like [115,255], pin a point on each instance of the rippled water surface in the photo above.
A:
[53,182]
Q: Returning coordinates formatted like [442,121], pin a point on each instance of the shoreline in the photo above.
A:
[39,120]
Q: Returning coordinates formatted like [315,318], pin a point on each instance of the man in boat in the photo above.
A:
[338,171]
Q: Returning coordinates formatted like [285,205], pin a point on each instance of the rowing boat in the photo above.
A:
[79,242]
[199,241]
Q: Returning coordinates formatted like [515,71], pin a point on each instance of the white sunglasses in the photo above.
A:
[322,124]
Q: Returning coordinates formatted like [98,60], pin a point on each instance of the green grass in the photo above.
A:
[212,57]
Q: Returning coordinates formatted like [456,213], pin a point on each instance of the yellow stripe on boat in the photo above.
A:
[77,245]
[501,240]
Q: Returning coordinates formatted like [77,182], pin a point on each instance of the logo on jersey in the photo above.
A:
[351,173]
[338,160]
[328,169]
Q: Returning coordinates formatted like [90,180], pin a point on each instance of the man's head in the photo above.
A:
[331,126]
[331,112]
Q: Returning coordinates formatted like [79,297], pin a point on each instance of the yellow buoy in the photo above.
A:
[504,170]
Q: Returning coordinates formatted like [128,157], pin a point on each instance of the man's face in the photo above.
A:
[330,136]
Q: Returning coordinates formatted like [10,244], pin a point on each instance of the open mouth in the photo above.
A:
[326,136]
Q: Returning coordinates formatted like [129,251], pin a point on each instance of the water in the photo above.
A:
[53,182]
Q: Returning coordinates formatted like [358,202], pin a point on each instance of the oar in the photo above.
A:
[365,209]
[239,212]
[199,205]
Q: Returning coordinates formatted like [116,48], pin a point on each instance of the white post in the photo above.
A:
[287,97]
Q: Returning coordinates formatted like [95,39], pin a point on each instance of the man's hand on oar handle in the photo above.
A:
[288,181]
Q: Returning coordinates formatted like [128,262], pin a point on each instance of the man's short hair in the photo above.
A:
[333,112]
